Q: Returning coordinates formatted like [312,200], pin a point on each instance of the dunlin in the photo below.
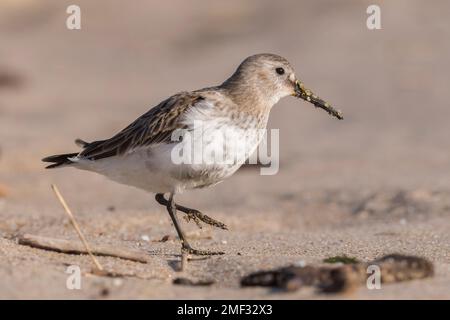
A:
[142,154]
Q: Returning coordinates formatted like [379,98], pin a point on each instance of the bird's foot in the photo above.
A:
[192,214]
[190,250]
[197,216]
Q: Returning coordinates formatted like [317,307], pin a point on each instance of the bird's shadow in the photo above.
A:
[174,259]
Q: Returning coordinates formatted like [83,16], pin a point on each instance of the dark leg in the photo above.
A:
[185,246]
[192,214]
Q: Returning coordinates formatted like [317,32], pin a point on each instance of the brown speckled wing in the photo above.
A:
[153,127]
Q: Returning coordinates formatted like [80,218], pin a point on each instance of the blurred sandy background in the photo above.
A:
[376,183]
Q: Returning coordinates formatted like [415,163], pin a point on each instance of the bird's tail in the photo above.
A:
[59,160]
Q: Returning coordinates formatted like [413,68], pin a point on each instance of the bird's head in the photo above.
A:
[269,77]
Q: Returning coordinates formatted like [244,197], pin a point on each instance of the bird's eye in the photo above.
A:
[280,71]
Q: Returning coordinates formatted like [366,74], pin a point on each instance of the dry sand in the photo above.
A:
[376,183]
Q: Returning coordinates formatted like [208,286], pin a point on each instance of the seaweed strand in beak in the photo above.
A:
[307,95]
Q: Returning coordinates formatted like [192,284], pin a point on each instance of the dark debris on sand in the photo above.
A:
[342,278]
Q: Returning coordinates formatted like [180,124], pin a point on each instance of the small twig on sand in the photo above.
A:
[67,246]
[190,282]
[184,260]
[77,228]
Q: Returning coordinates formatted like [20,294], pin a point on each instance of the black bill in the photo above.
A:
[307,95]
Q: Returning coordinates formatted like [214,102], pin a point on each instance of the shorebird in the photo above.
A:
[142,154]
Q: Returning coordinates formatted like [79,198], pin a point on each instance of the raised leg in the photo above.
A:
[185,246]
[192,214]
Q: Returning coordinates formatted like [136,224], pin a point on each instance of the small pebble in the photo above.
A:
[300,263]
[104,292]
[117,282]
[165,238]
